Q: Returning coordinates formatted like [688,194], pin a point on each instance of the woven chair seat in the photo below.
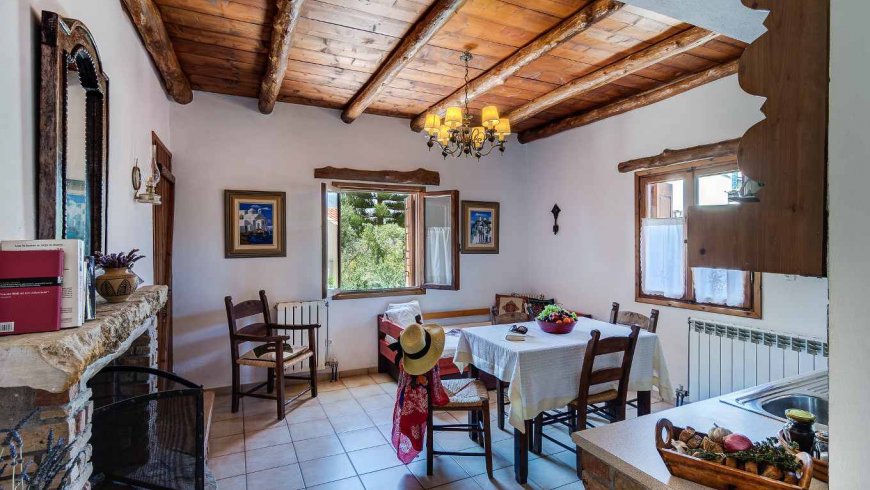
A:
[602,397]
[465,393]
[291,353]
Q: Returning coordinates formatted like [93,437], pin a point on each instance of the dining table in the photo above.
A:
[544,370]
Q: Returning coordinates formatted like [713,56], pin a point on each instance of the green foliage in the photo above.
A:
[555,312]
[373,241]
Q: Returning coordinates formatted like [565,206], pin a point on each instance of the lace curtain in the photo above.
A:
[719,286]
[439,256]
[663,259]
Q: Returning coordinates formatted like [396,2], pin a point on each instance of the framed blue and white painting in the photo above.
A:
[480,224]
[254,224]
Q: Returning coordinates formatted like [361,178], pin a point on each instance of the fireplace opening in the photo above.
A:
[148,429]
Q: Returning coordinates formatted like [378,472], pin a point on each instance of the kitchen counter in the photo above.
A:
[629,447]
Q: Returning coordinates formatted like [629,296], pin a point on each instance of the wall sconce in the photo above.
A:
[555,212]
[150,196]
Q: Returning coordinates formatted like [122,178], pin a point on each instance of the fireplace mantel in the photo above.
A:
[56,361]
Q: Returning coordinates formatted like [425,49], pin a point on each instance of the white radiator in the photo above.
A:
[308,313]
[724,358]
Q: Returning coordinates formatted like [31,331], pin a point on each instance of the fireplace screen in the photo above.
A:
[147,429]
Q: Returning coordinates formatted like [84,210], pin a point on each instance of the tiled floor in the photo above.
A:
[340,441]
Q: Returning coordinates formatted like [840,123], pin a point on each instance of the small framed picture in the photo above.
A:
[254,224]
[480,224]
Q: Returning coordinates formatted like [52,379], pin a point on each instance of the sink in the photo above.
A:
[813,404]
[806,392]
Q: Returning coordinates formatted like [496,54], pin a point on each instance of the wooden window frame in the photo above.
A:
[415,226]
[689,172]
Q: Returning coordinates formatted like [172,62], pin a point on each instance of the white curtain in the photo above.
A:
[719,286]
[663,258]
[439,256]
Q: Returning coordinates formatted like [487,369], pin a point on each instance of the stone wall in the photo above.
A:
[598,475]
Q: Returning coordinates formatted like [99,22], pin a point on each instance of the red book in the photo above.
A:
[30,291]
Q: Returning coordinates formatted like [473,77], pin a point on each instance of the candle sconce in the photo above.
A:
[150,196]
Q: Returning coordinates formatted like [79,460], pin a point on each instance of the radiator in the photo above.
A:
[724,358]
[307,313]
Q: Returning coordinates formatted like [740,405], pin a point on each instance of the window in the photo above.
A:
[663,276]
[389,240]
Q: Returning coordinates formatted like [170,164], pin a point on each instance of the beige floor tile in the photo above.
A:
[361,439]
[325,386]
[475,465]
[262,421]
[553,471]
[270,457]
[358,381]
[454,441]
[266,438]
[382,415]
[658,407]
[227,466]
[311,429]
[259,405]
[466,484]
[352,483]
[234,483]
[382,378]
[318,447]
[221,446]
[389,388]
[365,391]
[345,423]
[339,395]
[444,471]
[376,402]
[325,470]
[222,409]
[305,414]
[374,458]
[503,479]
[386,430]
[282,478]
[577,485]
[505,449]
[343,408]
[396,478]
[226,428]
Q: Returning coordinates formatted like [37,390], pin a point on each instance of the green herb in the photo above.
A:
[769,452]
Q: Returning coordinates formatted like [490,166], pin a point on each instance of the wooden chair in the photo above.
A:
[274,353]
[630,318]
[466,395]
[610,404]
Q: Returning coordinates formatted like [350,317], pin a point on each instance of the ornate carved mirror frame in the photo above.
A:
[67,44]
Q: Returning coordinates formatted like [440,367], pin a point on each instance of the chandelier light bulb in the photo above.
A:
[489,116]
[453,117]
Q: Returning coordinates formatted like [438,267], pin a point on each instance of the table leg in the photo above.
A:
[644,403]
[521,453]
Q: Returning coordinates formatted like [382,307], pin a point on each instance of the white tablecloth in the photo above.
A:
[544,370]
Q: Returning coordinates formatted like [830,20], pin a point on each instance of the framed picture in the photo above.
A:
[254,224]
[480,223]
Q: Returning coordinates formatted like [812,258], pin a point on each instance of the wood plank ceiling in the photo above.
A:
[223,45]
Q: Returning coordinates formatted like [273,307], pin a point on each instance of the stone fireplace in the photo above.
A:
[49,373]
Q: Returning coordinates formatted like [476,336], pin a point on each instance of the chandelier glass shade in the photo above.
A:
[456,136]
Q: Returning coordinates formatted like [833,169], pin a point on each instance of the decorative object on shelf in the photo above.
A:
[555,319]
[150,196]
[480,224]
[117,282]
[748,191]
[254,224]
[555,212]
[35,473]
[457,137]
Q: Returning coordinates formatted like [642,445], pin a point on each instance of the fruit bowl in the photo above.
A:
[556,328]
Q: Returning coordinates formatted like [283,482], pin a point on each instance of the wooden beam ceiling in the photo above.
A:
[148,22]
[684,155]
[546,42]
[657,94]
[279,51]
[679,43]
[419,35]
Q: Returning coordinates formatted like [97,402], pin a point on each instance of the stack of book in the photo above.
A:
[45,285]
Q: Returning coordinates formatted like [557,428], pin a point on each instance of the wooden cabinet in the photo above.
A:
[784,232]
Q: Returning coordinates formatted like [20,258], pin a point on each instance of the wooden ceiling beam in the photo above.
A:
[672,46]
[672,157]
[495,76]
[630,103]
[419,35]
[285,20]
[148,22]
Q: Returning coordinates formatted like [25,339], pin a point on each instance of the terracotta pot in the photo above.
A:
[116,284]
[557,328]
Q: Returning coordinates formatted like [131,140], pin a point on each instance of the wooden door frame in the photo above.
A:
[163,226]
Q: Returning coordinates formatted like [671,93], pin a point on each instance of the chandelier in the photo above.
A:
[457,137]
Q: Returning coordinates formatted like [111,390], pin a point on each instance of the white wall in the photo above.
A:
[137,105]
[590,263]
[222,142]
[849,240]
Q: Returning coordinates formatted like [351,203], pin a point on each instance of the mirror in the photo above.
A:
[73,135]
[441,240]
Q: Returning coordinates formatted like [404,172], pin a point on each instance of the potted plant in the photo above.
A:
[555,319]
[117,282]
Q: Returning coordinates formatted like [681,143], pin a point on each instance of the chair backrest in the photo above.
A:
[246,309]
[630,318]
[589,376]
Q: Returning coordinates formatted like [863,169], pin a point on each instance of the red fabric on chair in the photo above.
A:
[410,411]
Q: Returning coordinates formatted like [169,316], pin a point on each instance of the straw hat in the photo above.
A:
[422,346]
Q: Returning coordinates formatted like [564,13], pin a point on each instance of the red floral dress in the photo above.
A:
[410,411]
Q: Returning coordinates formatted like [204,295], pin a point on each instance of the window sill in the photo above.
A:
[721,310]
[379,293]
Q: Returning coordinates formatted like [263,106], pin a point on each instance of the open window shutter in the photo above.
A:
[324,240]
[329,237]
[440,237]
